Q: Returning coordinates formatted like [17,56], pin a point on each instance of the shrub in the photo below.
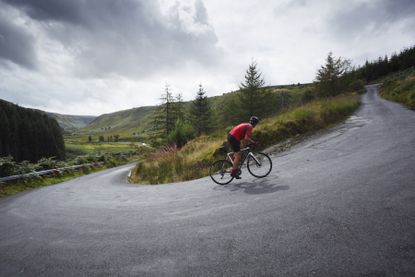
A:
[80,160]
[86,169]
[357,85]
[182,133]
[308,96]
[7,166]
[25,167]
[45,164]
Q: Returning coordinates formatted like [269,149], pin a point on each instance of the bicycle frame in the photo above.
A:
[243,158]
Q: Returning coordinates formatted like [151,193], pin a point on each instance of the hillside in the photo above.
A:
[126,123]
[28,134]
[133,124]
[71,123]
[400,87]
[194,159]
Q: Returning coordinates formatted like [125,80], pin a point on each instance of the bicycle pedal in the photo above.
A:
[237,177]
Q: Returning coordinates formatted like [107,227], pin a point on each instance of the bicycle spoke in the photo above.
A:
[259,165]
[220,172]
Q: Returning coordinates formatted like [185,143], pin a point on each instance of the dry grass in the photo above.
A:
[170,164]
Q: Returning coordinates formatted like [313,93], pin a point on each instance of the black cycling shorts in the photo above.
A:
[236,144]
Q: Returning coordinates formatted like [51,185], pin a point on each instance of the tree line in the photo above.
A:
[27,134]
[337,75]
[373,70]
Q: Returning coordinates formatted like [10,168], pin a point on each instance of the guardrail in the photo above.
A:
[45,172]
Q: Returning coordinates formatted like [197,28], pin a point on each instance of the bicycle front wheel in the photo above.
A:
[220,172]
[259,165]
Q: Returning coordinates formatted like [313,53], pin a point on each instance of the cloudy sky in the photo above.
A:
[91,57]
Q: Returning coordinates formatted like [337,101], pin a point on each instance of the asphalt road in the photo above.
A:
[339,204]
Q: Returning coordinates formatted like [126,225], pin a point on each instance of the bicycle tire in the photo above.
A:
[266,165]
[220,172]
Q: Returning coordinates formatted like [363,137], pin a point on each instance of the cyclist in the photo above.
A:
[241,132]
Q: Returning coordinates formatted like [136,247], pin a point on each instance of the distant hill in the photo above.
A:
[70,123]
[123,123]
[134,123]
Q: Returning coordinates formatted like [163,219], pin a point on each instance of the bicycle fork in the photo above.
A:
[258,163]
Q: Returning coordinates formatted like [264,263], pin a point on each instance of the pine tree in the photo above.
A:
[329,77]
[200,112]
[250,96]
[165,116]
[178,108]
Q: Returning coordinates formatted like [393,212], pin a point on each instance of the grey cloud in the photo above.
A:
[53,10]
[16,44]
[291,5]
[126,37]
[397,9]
[372,16]
[201,13]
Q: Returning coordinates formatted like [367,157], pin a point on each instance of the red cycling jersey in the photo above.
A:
[240,131]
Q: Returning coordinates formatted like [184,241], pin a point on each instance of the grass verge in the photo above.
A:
[400,87]
[8,189]
[193,160]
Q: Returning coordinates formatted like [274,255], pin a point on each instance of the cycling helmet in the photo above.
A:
[254,120]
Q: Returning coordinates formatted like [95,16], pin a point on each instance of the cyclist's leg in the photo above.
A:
[236,160]
[236,147]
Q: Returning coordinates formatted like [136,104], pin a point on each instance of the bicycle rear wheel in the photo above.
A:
[220,172]
[260,166]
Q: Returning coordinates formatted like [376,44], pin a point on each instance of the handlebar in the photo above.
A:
[252,145]
[249,146]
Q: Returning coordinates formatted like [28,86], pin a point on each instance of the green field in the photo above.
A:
[78,149]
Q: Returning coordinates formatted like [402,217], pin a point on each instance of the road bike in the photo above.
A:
[258,164]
